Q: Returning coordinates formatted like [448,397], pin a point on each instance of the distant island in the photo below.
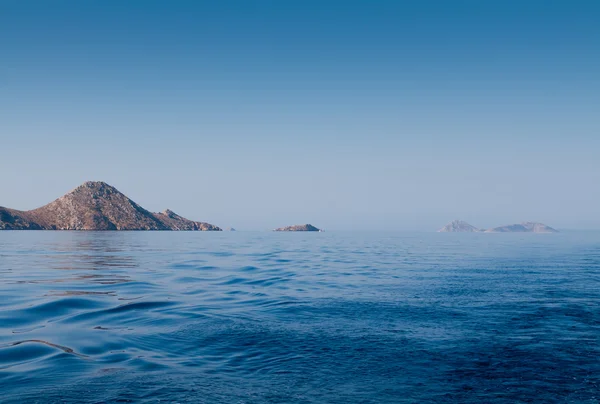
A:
[525,227]
[459,226]
[96,206]
[298,227]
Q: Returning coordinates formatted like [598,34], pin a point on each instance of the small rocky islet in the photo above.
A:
[459,226]
[298,227]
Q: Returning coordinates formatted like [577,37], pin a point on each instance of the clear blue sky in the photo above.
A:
[344,114]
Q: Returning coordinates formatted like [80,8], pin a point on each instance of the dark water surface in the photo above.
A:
[299,317]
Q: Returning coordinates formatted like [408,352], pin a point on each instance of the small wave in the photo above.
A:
[50,344]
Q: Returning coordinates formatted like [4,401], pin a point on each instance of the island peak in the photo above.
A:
[94,185]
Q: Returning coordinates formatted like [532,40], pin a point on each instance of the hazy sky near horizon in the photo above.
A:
[344,114]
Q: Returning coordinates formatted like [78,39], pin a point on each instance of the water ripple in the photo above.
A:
[303,318]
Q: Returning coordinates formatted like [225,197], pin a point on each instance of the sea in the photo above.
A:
[261,317]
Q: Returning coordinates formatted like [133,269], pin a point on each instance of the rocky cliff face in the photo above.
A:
[298,227]
[458,226]
[95,206]
[526,227]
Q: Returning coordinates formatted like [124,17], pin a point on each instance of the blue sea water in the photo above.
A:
[241,317]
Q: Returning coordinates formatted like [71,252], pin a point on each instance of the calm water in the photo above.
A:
[299,318]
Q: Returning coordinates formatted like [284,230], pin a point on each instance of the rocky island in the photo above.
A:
[458,226]
[96,206]
[298,227]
